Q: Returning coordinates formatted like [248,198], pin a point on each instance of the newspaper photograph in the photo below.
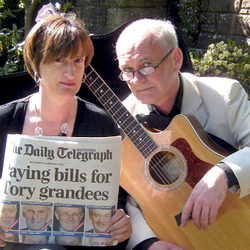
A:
[59,190]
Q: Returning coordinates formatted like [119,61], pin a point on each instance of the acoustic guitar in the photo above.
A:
[160,169]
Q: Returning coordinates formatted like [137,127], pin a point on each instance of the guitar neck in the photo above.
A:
[120,114]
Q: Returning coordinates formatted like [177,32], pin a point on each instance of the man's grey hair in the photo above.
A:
[25,206]
[163,31]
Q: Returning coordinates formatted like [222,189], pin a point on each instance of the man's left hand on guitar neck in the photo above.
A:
[206,199]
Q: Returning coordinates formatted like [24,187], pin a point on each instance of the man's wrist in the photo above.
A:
[232,179]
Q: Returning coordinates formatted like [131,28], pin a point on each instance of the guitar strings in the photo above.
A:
[159,173]
[156,167]
[158,161]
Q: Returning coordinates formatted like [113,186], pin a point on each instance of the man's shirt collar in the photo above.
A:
[177,105]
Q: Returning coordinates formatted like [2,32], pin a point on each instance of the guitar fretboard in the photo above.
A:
[120,114]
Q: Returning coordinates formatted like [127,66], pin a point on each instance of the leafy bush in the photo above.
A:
[189,12]
[11,37]
[226,60]
[11,46]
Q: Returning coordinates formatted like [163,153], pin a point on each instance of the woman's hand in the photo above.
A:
[163,245]
[120,227]
[2,238]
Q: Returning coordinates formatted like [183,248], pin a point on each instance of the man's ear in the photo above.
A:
[82,216]
[57,215]
[178,59]
[49,213]
[90,217]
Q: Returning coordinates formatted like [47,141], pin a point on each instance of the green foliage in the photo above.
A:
[1,4]
[189,12]
[67,7]
[11,46]
[11,38]
[226,60]
[10,43]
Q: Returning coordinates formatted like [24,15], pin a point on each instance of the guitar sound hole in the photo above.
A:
[165,168]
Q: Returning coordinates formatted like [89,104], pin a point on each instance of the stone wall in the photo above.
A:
[105,15]
[224,19]
[217,20]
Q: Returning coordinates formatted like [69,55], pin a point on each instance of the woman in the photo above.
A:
[56,52]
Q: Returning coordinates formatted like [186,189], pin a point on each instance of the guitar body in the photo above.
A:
[160,170]
[160,204]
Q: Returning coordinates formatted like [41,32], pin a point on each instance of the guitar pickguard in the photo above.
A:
[196,167]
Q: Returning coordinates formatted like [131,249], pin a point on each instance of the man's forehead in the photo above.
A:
[144,47]
[69,208]
[34,207]
[100,211]
[136,42]
[139,55]
[8,206]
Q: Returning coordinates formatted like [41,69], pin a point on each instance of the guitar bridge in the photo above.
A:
[178,218]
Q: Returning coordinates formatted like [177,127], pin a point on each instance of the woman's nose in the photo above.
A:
[69,70]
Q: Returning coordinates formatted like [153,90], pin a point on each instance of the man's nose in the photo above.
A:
[138,78]
[35,215]
[7,214]
[70,217]
[102,219]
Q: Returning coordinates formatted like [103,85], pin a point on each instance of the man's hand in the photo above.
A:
[120,226]
[2,238]
[163,245]
[206,199]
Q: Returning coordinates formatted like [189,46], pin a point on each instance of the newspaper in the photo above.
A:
[59,190]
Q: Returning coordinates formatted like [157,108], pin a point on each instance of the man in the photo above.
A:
[68,240]
[70,219]
[35,239]
[11,237]
[37,217]
[99,241]
[8,219]
[150,60]
[100,219]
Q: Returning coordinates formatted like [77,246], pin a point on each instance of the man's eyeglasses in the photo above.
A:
[145,71]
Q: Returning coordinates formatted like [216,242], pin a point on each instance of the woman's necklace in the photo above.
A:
[39,131]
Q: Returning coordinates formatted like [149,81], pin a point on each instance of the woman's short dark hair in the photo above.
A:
[56,36]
